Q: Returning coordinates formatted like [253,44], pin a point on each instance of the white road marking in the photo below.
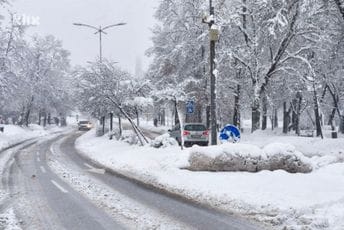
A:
[52,150]
[98,171]
[38,159]
[88,166]
[43,169]
[59,186]
[37,153]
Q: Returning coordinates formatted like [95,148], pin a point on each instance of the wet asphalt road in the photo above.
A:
[44,201]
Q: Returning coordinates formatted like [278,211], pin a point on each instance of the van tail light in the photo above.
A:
[186,133]
[206,133]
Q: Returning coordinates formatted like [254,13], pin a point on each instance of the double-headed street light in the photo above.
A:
[100,30]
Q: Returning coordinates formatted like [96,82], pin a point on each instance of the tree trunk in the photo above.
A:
[331,118]
[276,118]
[120,126]
[39,117]
[103,124]
[45,119]
[137,116]
[140,135]
[27,116]
[236,115]
[298,114]
[49,119]
[341,126]
[28,112]
[176,117]
[265,112]
[335,98]
[294,114]
[317,113]
[286,118]
[256,114]
[163,117]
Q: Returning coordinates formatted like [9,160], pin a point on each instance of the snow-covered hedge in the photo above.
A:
[250,158]
[163,141]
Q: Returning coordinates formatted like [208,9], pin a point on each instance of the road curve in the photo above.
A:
[198,217]
[45,201]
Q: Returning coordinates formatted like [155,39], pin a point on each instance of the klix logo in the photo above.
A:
[26,20]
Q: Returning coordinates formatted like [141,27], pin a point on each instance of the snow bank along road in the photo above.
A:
[51,187]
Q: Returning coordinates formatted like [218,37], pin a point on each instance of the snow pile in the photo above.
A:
[249,158]
[323,161]
[163,141]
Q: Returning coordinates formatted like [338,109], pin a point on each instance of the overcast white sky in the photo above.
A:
[122,44]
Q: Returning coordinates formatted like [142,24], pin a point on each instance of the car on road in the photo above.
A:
[193,133]
[84,125]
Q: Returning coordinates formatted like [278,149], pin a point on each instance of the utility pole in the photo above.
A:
[213,34]
[100,30]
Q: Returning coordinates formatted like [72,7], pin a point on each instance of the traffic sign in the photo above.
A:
[230,133]
[190,107]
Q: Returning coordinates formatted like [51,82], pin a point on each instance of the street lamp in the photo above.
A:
[100,30]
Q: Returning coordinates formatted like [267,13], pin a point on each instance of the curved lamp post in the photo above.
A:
[100,30]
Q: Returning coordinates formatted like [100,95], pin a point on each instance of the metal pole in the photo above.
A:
[212,83]
[100,44]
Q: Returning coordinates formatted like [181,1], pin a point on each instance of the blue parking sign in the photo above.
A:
[190,107]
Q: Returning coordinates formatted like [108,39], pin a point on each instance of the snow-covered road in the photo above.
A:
[50,186]
[42,200]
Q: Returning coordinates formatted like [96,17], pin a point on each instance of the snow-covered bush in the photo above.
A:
[286,157]
[129,137]
[163,141]
[250,158]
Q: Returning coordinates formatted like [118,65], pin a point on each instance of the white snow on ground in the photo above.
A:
[294,201]
[107,198]
[148,126]
[8,220]
[307,145]
[14,134]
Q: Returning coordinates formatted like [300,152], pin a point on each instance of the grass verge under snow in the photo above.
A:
[294,201]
